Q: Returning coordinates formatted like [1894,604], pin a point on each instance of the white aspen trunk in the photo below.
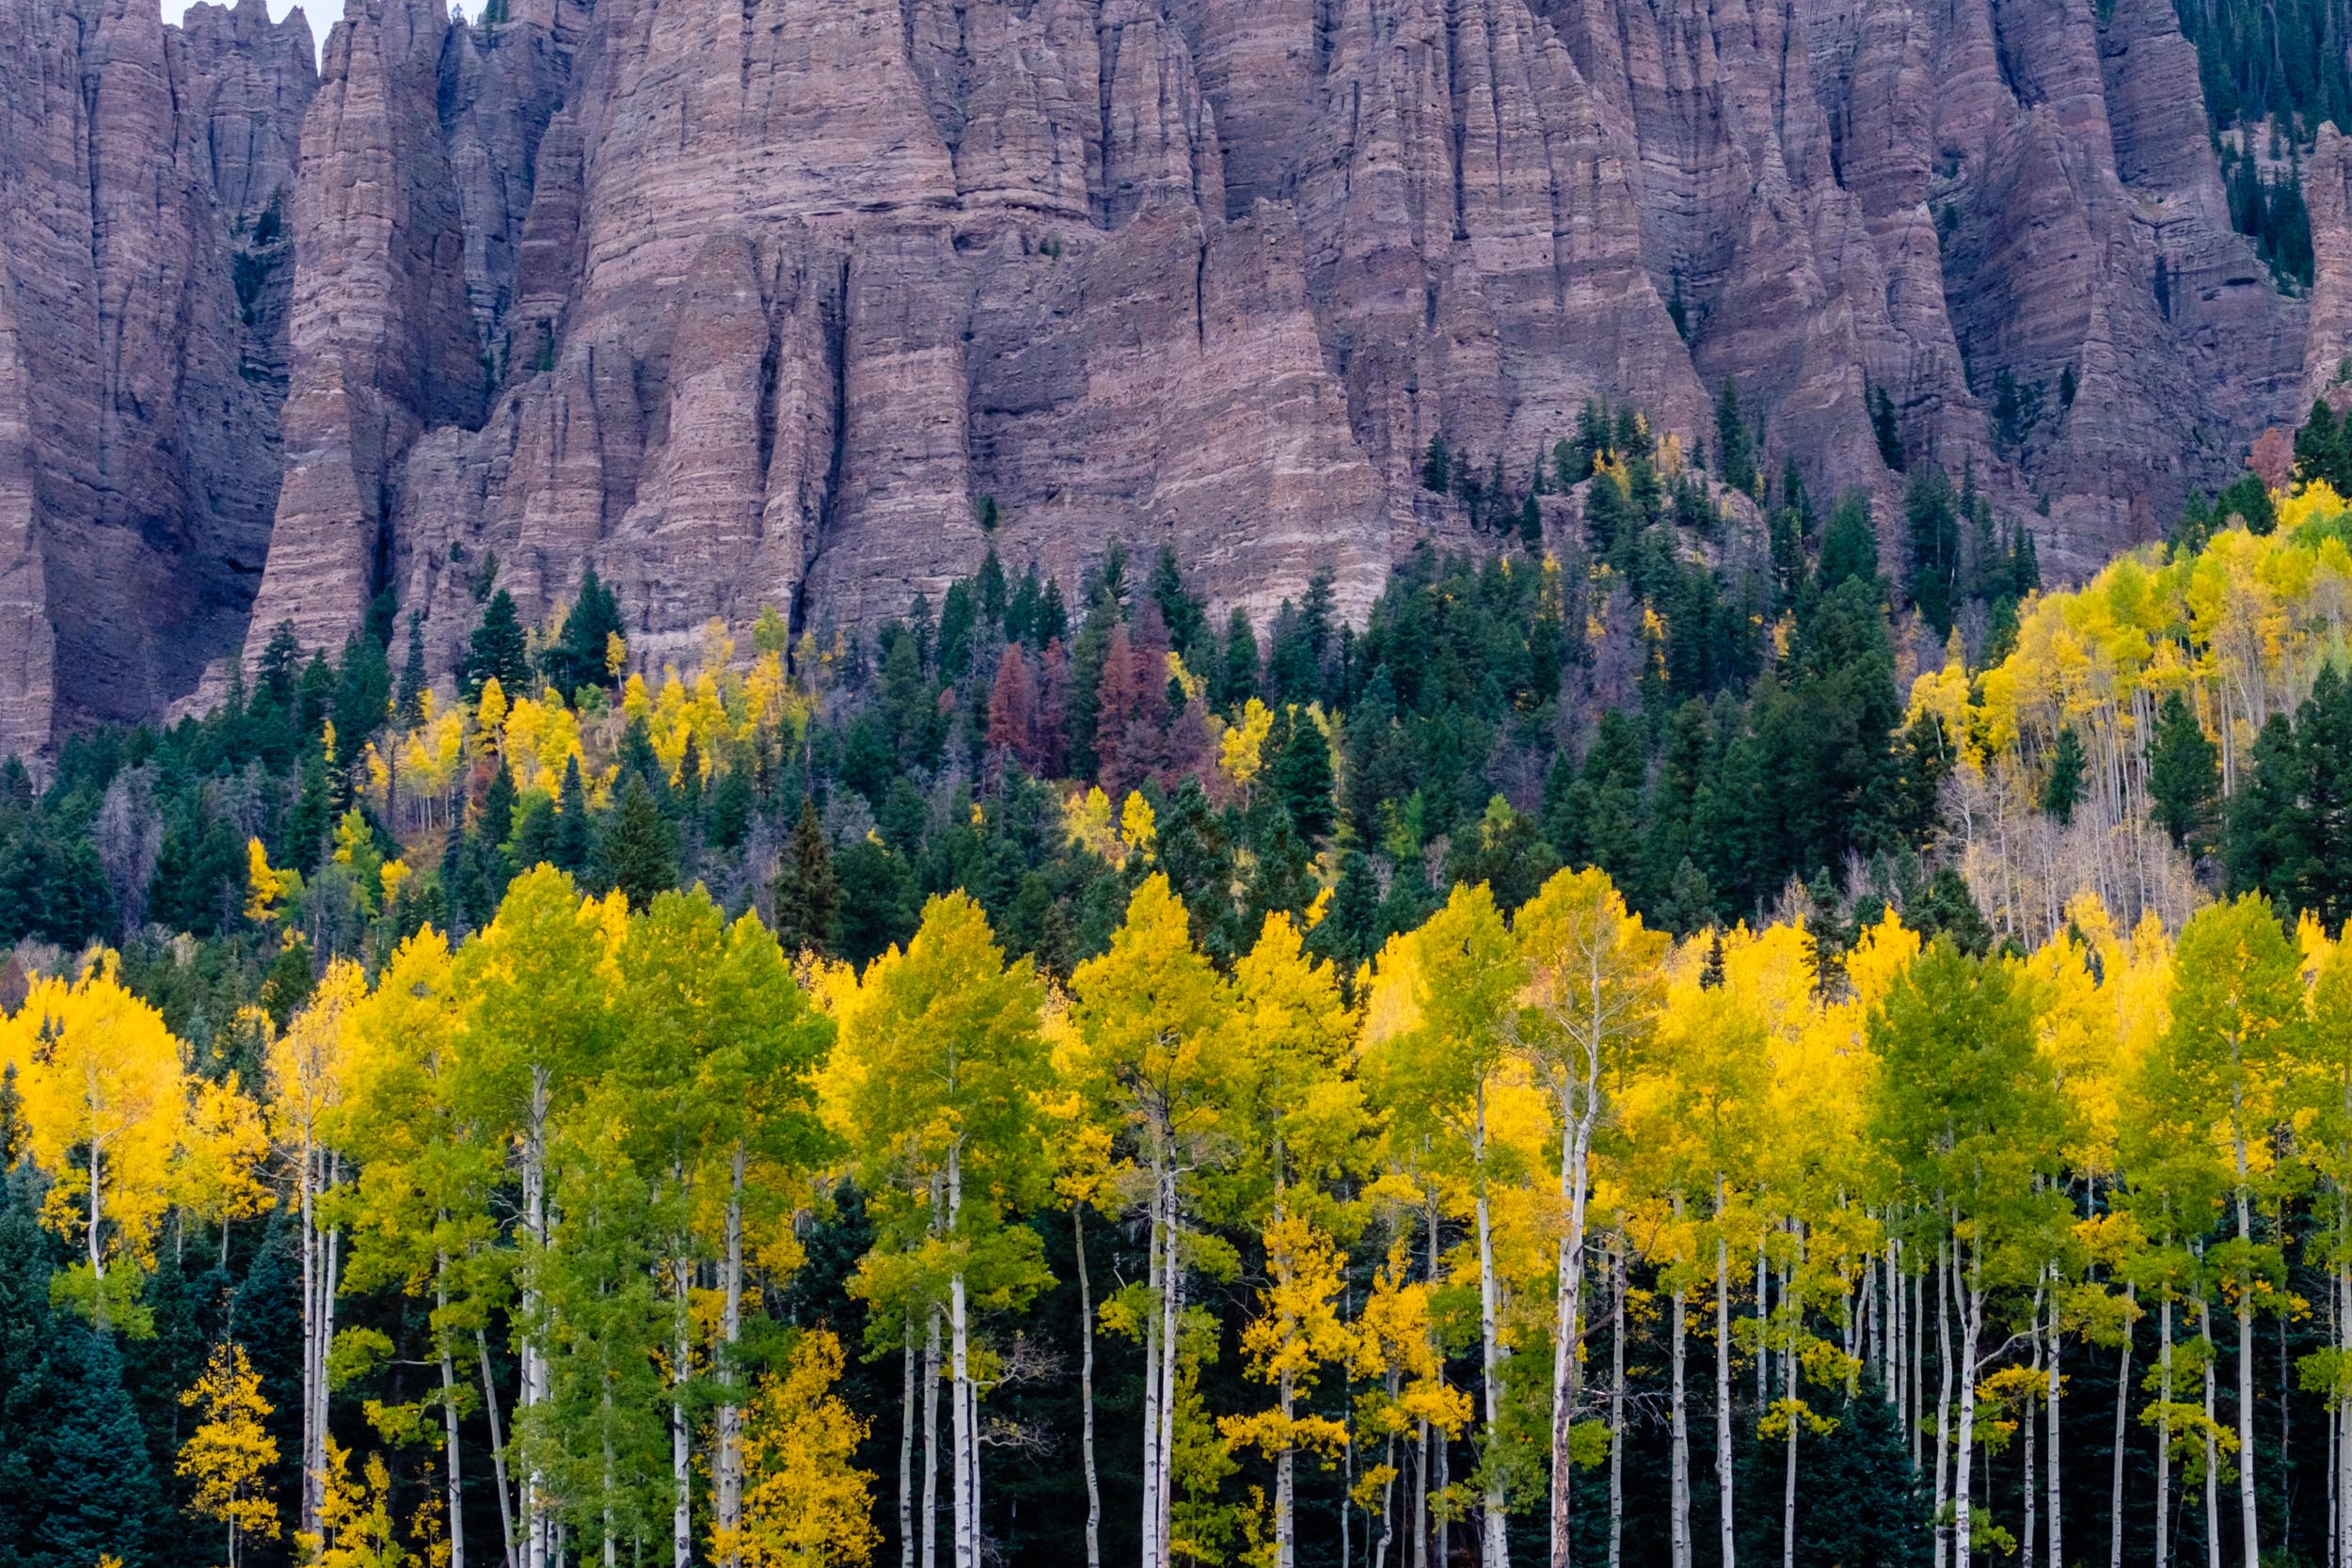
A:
[1153,1556]
[1576,1132]
[498,1447]
[533,1367]
[681,1451]
[1971,1328]
[1944,1532]
[1086,1391]
[929,1526]
[453,1472]
[1171,1315]
[962,1433]
[2249,1520]
[2028,1539]
[2212,1457]
[729,1465]
[1794,1313]
[1388,1494]
[1285,1544]
[2163,1437]
[906,1453]
[2122,1434]
[1916,1418]
[2340,1429]
[1763,1325]
[1616,1404]
[2051,1390]
[1722,1383]
[1494,1549]
[312,1464]
[1679,1463]
[1423,1456]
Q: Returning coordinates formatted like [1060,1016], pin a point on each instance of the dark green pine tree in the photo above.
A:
[98,1491]
[577,659]
[499,649]
[2062,790]
[2323,742]
[363,694]
[575,844]
[637,851]
[1236,678]
[2184,778]
[413,680]
[1299,772]
[25,1252]
[1849,545]
[2263,842]
[807,897]
[1933,518]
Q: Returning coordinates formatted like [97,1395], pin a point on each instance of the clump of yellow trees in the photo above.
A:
[1428,1206]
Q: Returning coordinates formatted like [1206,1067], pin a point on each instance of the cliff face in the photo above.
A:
[809,302]
[143,260]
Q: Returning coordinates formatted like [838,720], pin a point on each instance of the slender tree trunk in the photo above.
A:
[1085,1390]
[1971,1329]
[2164,1437]
[729,1478]
[1568,1317]
[1795,1314]
[1944,1532]
[962,1433]
[498,1447]
[681,1434]
[533,1370]
[1617,1400]
[1494,1548]
[1171,1317]
[2212,1457]
[906,1453]
[2340,1440]
[1430,1451]
[452,1470]
[2249,1518]
[1679,1463]
[2122,1435]
[2052,1389]
[1153,1555]
[1722,1383]
[930,1524]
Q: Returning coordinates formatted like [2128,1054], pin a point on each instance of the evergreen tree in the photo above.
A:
[1299,772]
[497,652]
[99,1495]
[638,851]
[2183,777]
[577,659]
[413,681]
[2062,790]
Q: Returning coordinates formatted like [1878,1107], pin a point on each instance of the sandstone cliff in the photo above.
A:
[809,302]
[144,174]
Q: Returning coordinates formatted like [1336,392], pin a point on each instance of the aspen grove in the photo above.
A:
[626,1236]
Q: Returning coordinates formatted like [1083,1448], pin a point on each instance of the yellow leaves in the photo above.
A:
[805,1502]
[105,1103]
[357,1516]
[308,1066]
[490,710]
[1137,831]
[1088,821]
[1241,751]
[229,1454]
[615,654]
[541,738]
[265,887]
[215,1177]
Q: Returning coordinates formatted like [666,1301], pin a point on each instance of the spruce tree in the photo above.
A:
[2062,791]
[2184,779]
[99,1495]
[806,897]
[413,681]
[638,851]
[499,649]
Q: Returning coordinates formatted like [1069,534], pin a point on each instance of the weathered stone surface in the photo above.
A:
[138,391]
[772,303]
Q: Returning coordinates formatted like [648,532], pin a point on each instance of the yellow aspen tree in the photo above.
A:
[1595,986]
[1151,1014]
[805,1502]
[1299,1119]
[217,1175]
[105,1100]
[1436,1050]
[309,1068]
[229,1454]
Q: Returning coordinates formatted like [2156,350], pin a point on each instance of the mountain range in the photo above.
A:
[810,304]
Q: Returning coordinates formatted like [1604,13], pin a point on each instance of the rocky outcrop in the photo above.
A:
[811,302]
[142,318]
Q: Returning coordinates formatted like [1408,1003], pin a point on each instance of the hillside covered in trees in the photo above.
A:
[1658,1046]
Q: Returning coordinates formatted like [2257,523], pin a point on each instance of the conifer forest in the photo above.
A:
[1690,1045]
